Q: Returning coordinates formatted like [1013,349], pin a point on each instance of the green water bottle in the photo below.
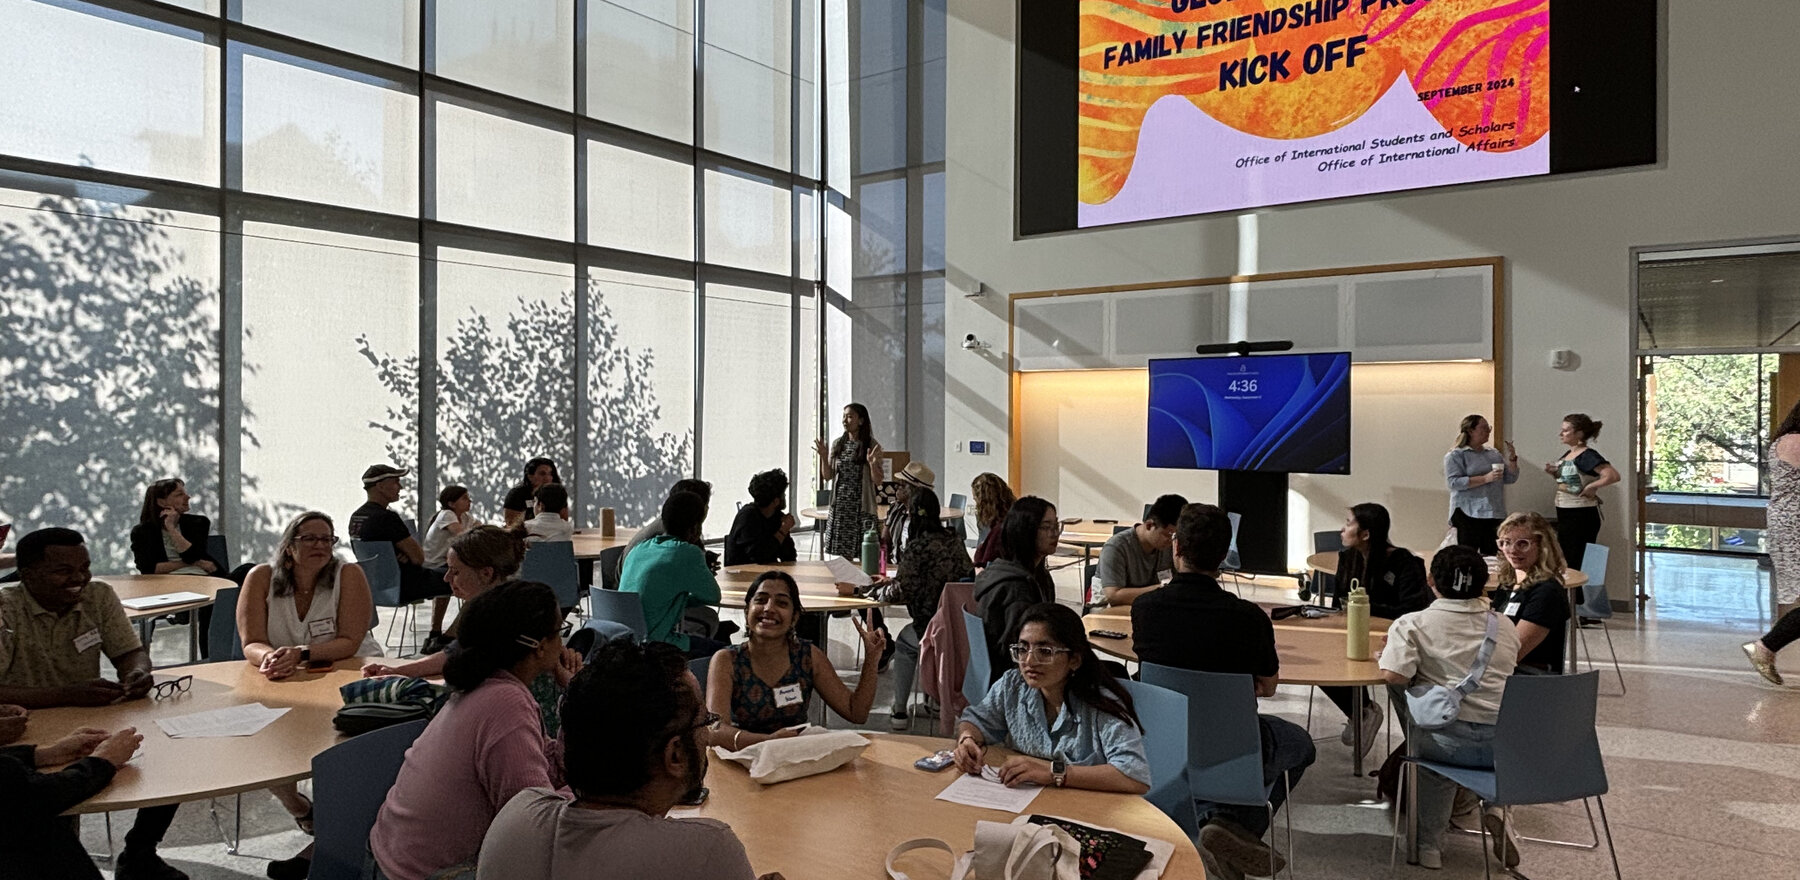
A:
[871,553]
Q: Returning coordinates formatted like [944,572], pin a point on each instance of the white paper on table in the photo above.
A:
[987,791]
[844,571]
[245,720]
[143,602]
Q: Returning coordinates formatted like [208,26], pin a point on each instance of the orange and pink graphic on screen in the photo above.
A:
[1287,69]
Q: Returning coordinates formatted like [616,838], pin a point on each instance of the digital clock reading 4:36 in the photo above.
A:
[1241,386]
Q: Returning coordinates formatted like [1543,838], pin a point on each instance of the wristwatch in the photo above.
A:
[1059,771]
[305,655]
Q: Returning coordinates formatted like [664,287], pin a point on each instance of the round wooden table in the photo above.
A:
[589,542]
[818,588]
[172,771]
[1310,655]
[1327,562]
[143,586]
[843,823]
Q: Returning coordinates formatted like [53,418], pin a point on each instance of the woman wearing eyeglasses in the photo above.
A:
[477,561]
[764,687]
[1018,579]
[303,607]
[1530,578]
[484,746]
[1071,721]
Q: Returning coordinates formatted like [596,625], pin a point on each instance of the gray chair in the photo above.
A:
[1323,584]
[620,607]
[980,671]
[1164,714]
[553,563]
[220,552]
[1596,606]
[959,524]
[611,560]
[699,666]
[1546,751]
[350,781]
[382,568]
[221,635]
[1225,763]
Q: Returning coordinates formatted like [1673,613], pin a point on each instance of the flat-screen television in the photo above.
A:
[1166,108]
[1286,413]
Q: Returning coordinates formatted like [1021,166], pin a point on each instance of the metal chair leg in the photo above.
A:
[1607,631]
[1610,851]
[1486,873]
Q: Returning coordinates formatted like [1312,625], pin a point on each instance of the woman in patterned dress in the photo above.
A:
[763,688]
[853,465]
[1783,540]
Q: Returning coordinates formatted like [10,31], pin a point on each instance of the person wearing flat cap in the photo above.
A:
[374,521]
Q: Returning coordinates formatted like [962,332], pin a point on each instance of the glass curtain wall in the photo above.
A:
[261,245]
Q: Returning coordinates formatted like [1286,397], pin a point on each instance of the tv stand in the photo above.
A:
[1261,499]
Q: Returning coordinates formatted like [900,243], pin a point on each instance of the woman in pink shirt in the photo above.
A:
[484,746]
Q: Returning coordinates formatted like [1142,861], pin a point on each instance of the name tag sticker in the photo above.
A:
[1512,608]
[321,629]
[87,640]
[787,695]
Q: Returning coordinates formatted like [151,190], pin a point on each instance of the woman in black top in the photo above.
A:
[1530,578]
[539,472]
[36,840]
[1394,579]
[1011,584]
[1580,475]
[932,556]
[168,539]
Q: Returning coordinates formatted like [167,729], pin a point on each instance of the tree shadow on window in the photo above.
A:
[110,365]
[506,393]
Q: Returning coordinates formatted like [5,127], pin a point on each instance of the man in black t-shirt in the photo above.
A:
[1194,624]
[375,522]
[759,534]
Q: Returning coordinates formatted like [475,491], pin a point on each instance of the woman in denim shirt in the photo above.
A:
[1071,722]
[1475,473]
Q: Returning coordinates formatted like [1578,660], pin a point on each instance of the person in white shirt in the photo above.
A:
[453,518]
[552,520]
[1439,646]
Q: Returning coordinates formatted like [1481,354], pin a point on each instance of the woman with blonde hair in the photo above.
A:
[993,498]
[304,607]
[1531,591]
[1476,473]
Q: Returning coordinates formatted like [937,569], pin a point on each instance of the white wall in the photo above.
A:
[1728,172]
[1085,449]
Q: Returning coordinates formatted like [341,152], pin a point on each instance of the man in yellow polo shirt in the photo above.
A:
[57,621]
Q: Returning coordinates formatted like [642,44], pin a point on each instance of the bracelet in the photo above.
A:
[734,740]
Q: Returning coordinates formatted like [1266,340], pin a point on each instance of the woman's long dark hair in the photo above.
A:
[1374,519]
[153,496]
[865,434]
[498,630]
[1091,681]
[925,516]
[1019,531]
[534,464]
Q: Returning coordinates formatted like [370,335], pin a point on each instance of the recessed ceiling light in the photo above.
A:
[1718,281]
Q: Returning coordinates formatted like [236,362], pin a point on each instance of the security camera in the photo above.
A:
[970,343]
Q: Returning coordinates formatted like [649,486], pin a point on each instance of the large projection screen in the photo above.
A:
[1135,110]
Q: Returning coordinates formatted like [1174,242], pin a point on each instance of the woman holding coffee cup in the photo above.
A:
[1475,473]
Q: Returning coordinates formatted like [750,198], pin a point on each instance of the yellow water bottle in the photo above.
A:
[1356,623]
